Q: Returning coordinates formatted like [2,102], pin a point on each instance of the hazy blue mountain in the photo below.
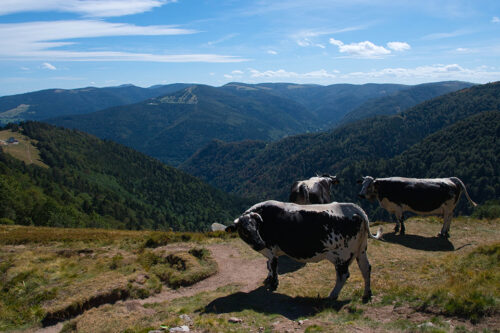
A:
[51,103]
[174,126]
[403,99]
[328,103]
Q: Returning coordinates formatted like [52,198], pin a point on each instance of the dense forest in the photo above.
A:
[95,183]
[267,171]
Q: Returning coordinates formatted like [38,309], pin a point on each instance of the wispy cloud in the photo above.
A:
[443,35]
[41,40]
[91,8]
[49,66]
[272,52]
[283,74]
[222,39]
[495,19]
[427,73]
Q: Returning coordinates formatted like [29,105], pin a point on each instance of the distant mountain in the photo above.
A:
[328,103]
[266,171]
[403,99]
[96,183]
[174,126]
[51,103]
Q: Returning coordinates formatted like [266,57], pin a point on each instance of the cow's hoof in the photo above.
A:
[444,236]
[366,298]
[402,232]
[271,284]
[396,229]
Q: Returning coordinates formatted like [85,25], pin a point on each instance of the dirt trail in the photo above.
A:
[233,269]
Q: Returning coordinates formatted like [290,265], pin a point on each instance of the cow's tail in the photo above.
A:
[465,190]
[378,236]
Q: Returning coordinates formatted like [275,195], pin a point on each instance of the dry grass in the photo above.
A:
[420,284]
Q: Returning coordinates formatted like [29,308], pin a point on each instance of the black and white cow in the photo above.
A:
[433,196]
[315,190]
[337,232]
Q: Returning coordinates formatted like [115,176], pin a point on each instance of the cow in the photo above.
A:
[430,196]
[315,190]
[337,232]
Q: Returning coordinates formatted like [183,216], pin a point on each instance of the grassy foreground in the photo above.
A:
[420,283]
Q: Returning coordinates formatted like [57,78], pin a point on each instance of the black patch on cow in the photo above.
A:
[420,196]
[301,234]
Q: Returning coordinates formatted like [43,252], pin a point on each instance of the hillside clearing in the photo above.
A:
[420,283]
[24,151]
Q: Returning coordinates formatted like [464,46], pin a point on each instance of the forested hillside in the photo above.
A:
[267,171]
[173,127]
[403,99]
[51,103]
[95,183]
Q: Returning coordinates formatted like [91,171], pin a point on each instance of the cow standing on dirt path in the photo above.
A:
[337,232]
[432,196]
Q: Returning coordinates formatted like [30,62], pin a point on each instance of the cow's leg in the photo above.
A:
[365,268]
[399,222]
[271,282]
[447,216]
[342,270]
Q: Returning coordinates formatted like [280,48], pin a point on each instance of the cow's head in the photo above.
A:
[332,180]
[368,190]
[248,226]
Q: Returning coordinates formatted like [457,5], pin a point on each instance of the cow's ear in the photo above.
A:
[335,180]
[231,228]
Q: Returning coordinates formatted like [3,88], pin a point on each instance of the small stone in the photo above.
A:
[141,278]
[427,324]
[235,320]
[301,322]
[218,227]
[186,318]
[182,328]
[156,331]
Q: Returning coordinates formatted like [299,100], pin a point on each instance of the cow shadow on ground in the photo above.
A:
[420,242]
[287,265]
[263,301]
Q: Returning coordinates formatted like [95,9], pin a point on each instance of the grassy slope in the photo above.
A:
[25,151]
[416,279]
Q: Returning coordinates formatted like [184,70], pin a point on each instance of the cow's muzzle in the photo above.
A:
[362,196]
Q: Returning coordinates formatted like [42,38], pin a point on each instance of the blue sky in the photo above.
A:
[78,43]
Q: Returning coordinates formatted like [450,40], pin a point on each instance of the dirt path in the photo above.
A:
[233,269]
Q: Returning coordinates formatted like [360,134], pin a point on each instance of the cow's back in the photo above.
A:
[423,195]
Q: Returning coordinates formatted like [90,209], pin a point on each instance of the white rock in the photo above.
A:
[218,227]
[235,320]
[182,328]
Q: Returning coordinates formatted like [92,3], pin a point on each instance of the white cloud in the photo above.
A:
[222,39]
[91,8]
[272,52]
[398,46]
[283,74]
[306,43]
[495,19]
[237,72]
[37,40]
[46,65]
[364,49]
[426,73]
